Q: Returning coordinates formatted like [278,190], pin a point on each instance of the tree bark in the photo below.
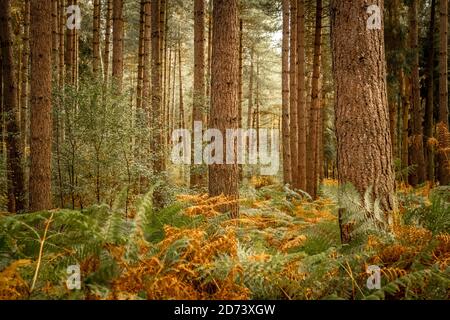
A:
[16,192]
[444,155]
[301,183]
[417,152]
[41,106]
[117,70]
[107,49]
[223,178]
[157,138]
[96,39]
[429,106]
[285,94]
[362,115]
[198,173]
[293,109]
[315,106]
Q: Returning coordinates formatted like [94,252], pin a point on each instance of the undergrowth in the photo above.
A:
[282,246]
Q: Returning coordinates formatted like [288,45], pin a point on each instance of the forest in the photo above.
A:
[224,150]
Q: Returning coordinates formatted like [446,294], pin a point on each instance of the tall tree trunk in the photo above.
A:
[285,95]
[16,194]
[444,155]
[293,109]
[223,178]
[41,106]
[117,66]
[429,106]
[157,138]
[107,50]
[198,173]
[208,59]
[62,27]
[315,106]
[55,41]
[70,51]
[250,88]
[96,39]
[301,96]
[140,76]
[146,57]
[180,86]
[240,94]
[362,115]
[24,94]
[405,120]
[417,154]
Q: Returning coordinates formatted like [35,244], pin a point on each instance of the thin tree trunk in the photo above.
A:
[285,95]
[301,183]
[140,77]
[96,39]
[157,138]
[70,51]
[16,191]
[62,27]
[146,57]
[41,106]
[55,41]
[198,173]
[180,87]
[315,106]
[117,70]
[24,96]
[362,115]
[429,107]
[444,155]
[293,130]
[417,154]
[250,89]
[223,178]
[405,123]
[107,50]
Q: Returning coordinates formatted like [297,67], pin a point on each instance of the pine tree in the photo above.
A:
[16,193]
[223,178]
[41,106]
[362,116]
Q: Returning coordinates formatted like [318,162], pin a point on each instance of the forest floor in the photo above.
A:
[280,247]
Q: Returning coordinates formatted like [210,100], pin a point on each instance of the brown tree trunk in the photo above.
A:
[107,50]
[429,106]
[41,106]
[250,88]
[96,39]
[301,96]
[315,106]
[140,76]
[70,50]
[405,120]
[157,138]
[16,192]
[293,109]
[362,115]
[117,67]
[198,172]
[24,94]
[62,27]
[55,41]
[417,154]
[285,95]
[208,59]
[223,178]
[145,95]
[180,87]
[443,125]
